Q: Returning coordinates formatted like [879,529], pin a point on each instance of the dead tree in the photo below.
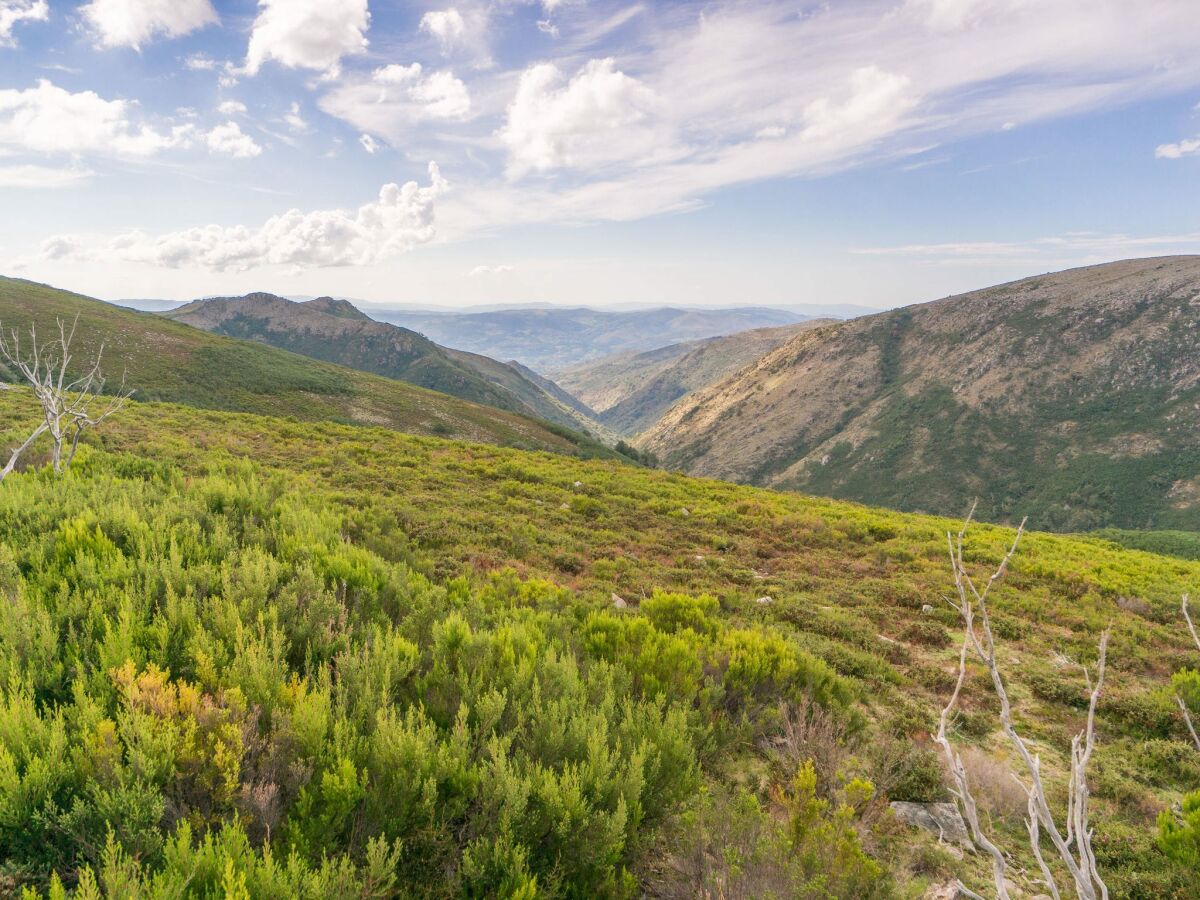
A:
[1187,716]
[1074,847]
[70,406]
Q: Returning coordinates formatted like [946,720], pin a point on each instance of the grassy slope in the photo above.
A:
[169,361]
[848,584]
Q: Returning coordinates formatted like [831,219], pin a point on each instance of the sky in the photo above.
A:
[873,152]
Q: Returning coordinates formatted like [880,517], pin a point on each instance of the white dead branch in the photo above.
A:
[69,406]
[1187,716]
[1074,847]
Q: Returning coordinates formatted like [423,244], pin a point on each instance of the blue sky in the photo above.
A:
[875,152]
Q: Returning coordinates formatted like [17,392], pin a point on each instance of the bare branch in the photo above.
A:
[66,404]
[1191,625]
[1075,848]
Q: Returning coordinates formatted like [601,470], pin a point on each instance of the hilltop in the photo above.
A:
[629,392]
[167,360]
[1073,398]
[550,339]
[336,331]
[401,660]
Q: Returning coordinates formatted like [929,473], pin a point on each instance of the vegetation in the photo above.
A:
[244,656]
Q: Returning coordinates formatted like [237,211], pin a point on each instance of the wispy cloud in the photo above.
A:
[1075,248]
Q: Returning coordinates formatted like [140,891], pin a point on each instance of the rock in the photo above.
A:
[886,639]
[926,608]
[945,890]
[684,512]
[764,600]
[941,819]
[619,602]
[579,484]
[698,558]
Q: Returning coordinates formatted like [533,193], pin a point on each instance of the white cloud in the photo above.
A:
[1179,150]
[49,119]
[369,143]
[489,270]
[588,121]
[396,98]
[131,23]
[545,26]
[293,119]
[34,176]
[232,108]
[307,34]
[198,62]
[14,11]
[230,140]
[399,220]
[447,25]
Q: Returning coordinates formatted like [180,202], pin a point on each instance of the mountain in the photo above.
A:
[171,361]
[630,392]
[400,661]
[336,331]
[550,339]
[1072,397]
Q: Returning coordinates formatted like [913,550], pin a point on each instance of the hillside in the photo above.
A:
[167,360]
[396,663]
[335,331]
[1073,398]
[630,392]
[550,339]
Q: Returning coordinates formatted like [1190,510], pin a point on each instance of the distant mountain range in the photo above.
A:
[546,340]
[629,392]
[1073,398]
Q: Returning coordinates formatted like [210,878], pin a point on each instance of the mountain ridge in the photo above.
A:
[171,361]
[338,332]
[1073,396]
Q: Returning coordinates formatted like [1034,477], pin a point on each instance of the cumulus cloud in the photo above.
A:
[1179,150]
[368,143]
[400,219]
[48,119]
[230,140]
[232,108]
[14,11]
[307,34]
[447,25]
[131,23]
[395,98]
[34,176]
[554,125]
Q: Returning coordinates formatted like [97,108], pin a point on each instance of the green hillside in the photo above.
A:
[246,656]
[169,361]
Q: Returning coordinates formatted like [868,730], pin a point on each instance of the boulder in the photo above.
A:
[941,819]
[619,602]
